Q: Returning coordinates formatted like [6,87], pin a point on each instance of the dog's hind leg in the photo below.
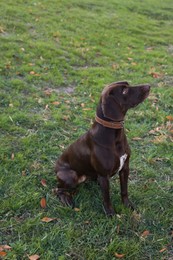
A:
[67,182]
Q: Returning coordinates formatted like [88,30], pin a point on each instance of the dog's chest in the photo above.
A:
[122,161]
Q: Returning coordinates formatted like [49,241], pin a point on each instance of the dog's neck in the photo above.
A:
[109,124]
[106,132]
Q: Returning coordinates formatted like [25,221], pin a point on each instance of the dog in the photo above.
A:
[103,150]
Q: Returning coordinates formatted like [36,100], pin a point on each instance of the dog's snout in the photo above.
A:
[146,87]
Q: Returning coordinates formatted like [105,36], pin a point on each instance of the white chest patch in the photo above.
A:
[122,161]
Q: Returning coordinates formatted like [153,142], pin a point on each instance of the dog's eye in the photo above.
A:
[125,91]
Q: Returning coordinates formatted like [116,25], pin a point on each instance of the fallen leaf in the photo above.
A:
[47,92]
[2,30]
[32,72]
[159,139]
[119,255]
[150,48]
[2,253]
[43,182]
[34,257]
[66,118]
[12,156]
[56,103]
[5,247]
[170,118]
[163,249]
[76,209]
[43,203]
[145,233]
[87,222]
[86,109]
[136,138]
[156,75]
[67,101]
[47,220]
[115,66]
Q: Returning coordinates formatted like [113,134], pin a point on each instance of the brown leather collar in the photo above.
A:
[113,125]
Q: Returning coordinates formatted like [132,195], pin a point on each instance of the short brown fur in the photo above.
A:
[98,153]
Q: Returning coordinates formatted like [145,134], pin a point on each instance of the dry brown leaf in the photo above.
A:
[43,203]
[47,220]
[170,118]
[86,109]
[87,222]
[34,257]
[163,249]
[43,182]
[66,118]
[32,72]
[159,139]
[136,138]
[156,75]
[3,253]
[2,30]
[115,66]
[56,103]
[5,247]
[145,233]
[76,209]
[47,92]
[150,48]
[119,255]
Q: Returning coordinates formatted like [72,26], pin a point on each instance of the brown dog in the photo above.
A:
[103,150]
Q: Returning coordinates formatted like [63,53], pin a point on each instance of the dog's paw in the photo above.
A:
[128,204]
[110,212]
[66,199]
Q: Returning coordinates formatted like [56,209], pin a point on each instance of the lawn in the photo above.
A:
[55,59]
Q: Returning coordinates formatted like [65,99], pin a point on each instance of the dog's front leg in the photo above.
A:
[124,174]
[104,184]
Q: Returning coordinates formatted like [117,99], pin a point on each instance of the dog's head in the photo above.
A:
[118,97]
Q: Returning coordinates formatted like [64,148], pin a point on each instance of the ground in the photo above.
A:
[55,59]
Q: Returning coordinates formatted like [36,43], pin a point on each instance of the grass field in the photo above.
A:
[55,59]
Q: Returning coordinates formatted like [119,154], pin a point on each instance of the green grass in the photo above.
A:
[55,59]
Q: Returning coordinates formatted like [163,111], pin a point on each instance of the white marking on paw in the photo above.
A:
[122,161]
[81,179]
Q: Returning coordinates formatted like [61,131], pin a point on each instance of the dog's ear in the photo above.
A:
[111,108]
